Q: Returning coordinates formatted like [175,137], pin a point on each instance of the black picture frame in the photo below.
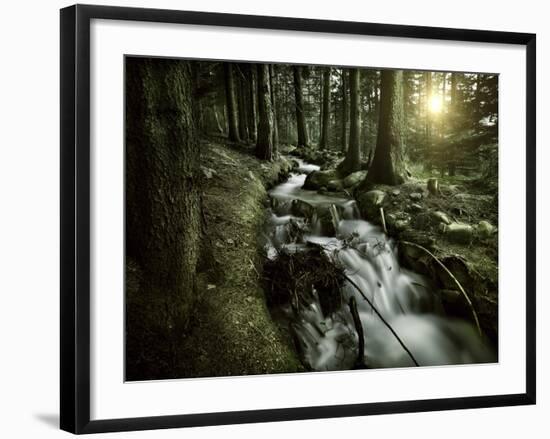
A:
[75,217]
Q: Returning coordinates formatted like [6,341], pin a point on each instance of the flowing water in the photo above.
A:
[404,299]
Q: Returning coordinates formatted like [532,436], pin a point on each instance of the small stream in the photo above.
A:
[406,300]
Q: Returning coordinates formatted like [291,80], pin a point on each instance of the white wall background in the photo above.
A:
[29,249]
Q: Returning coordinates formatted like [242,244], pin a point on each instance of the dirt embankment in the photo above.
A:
[231,331]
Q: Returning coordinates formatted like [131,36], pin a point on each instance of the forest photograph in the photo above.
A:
[286,218]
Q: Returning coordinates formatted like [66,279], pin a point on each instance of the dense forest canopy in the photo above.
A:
[450,119]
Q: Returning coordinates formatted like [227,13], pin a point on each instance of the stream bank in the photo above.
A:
[231,331]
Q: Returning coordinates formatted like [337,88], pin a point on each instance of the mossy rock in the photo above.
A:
[370,203]
[318,179]
[459,233]
[335,185]
[354,178]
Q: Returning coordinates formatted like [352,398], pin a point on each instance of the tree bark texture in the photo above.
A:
[387,166]
[352,162]
[303,138]
[274,107]
[231,103]
[163,209]
[264,144]
[325,110]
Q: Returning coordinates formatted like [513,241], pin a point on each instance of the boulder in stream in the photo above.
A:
[335,185]
[370,202]
[318,179]
[325,220]
[301,208]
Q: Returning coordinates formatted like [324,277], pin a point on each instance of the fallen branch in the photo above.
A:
[442,265]
[383,220]
[383,320]
[360,362]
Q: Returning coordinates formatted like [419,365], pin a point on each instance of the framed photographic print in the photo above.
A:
[259,214]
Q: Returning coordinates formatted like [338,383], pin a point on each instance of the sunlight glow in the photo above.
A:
[436,105]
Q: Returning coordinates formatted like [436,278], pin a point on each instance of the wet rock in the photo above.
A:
[373,198]
[318,179]
[415,196]
[335,185]
[396,192]
[301,208]
[324,221]
[415,207]
[281,207]
[459,233]
[354,178]
[455,304]
[370,202]
[485,229]
[401,225]
[461,271]
[439,217]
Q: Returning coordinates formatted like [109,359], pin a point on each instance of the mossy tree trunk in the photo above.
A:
[345,110]
[325,122]
[352,162]
[252,104]
[163,210]
[241,93]
[272,79]
[303,137]
[387,166]
[264,144]
[231,103]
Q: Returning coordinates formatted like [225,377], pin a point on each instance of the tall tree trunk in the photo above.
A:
[325,122]
[454,119]
[231,101]
[387,166]
[163,211]
[428,80]
[264,145]
[345,110]
[303,138]
[478,98]
[453,106]
[241,99]
[274,108]
[253,107]
[352,162]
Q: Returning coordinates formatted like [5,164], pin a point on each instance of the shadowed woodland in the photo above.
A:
[289,218]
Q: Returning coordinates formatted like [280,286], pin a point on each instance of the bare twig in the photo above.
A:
[383,320]
[442,265]
[359,328]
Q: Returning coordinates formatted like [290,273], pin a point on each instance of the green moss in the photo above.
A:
[232,332]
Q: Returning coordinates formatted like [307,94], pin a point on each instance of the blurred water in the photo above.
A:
[405,299]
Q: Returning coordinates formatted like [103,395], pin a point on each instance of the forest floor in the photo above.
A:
[231,331]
